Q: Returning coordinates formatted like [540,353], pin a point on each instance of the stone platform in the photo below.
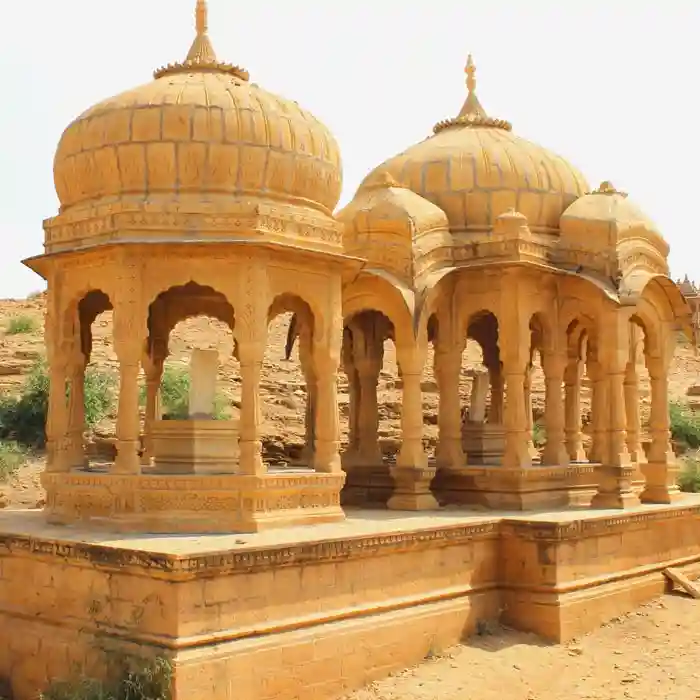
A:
[192,503]
[316,611]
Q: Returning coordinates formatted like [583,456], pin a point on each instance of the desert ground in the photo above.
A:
[651,653]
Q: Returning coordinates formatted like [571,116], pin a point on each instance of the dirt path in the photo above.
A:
[652,653]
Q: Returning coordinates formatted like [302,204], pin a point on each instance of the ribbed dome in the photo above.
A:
[199,130]
[608,214]
[474,168]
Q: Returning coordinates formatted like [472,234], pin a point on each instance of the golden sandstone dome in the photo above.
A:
[474,168]
[199,131]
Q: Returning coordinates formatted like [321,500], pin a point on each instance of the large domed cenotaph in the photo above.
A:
[197,193]
[200,193]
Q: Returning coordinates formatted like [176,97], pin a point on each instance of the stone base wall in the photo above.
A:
[319,617]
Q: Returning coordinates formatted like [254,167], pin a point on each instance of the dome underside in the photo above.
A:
[201,133]
[476,174]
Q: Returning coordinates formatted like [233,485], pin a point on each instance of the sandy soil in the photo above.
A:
[652,653]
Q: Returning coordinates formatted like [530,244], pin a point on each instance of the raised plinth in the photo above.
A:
[483,443]
[315,612]
[194,446]
[192,504]
[528,488]
[367,485]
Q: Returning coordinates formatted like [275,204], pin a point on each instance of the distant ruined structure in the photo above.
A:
[691,292]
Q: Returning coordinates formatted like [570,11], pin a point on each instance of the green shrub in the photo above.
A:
[133,679]
[22,324]
[23,418]
[99,395]
[175,395]
[539,435]
[689,476]
[685,424]
[12,457]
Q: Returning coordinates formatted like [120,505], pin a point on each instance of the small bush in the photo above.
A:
[99,395]
[12,457]
[134,679]
[21,324]
[685,425]
[175,395]
[689,477]
[539,435]
[23,418]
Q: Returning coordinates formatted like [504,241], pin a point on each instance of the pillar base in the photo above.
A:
[412,489]
[660,486]
[615,487]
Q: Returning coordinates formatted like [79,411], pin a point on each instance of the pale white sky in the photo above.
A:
[608,84]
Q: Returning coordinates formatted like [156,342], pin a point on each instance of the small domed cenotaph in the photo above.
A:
[476,233]
[197,193]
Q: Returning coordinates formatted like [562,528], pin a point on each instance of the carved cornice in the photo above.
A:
[67,233]
[251,559]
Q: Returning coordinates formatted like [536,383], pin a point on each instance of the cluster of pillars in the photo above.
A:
[616,427]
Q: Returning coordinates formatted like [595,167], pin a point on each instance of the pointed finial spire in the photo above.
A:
[470,70]
[201,14]
[472,113]
[201,56]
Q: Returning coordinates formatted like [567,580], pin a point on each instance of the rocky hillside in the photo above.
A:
[283,389]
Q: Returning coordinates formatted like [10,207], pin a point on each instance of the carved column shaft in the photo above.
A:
[633,417]
[599,403]
[661,472]
[497,395]
[306,361]
[448,367]
[572,409]
[555,452]
[250,363]
[153,412]
[327,419]
[76,412]
[57,417]
[353,397]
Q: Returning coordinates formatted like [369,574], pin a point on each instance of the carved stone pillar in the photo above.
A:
[327,418]
[349,457]
[368,369]
[411,475]
[599,402]
[661,471]
[76,412]
[250,355]
[572,410]
[154,373]
[617,471]
[555,452]
[497,394]
[57,416]
[534,454]
[447,369]
[631,385]
[634,423]
[307,367]
[128,418]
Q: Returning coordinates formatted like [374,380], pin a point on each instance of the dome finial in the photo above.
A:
[201,56]
[201,14]
[470,70]
[201,50]
[472,113]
